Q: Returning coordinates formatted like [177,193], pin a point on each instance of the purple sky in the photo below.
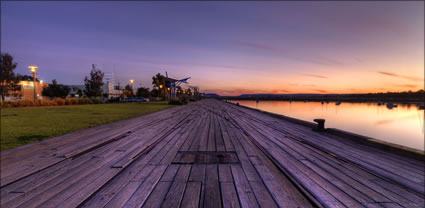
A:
[226,47]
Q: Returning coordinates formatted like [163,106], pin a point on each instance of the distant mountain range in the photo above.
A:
[288,95]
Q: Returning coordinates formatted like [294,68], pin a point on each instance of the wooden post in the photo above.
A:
[320,124]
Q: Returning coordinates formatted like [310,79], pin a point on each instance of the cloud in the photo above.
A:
[316,76]
[279,91]
[407,85]
[302,58]
[321,91]
[237,91]
[401,76]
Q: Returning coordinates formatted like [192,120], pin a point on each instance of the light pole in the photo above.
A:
[131,83]
[33,70]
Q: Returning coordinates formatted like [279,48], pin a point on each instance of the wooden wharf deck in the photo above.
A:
[208,154]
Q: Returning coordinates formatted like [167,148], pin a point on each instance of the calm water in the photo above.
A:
[402,125]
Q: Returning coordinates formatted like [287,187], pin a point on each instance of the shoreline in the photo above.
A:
[387,146]
[346,101]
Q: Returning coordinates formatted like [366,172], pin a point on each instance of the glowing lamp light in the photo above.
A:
[41,81]
[160,86]
[168,88]
[33,68]
[131,81]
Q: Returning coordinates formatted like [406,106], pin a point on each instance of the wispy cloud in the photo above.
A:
[321,91]
[302,58]
[238,91]
[280,91]
[316,76]
[407,85]
[401,76]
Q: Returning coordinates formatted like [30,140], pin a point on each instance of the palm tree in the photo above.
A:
[158,82]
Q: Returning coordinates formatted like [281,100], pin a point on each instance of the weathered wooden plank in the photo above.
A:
[224,132]
[212,196]
[218,136]
[197,174]
[121,197]
[143,191]
[245,193]
[170,173]
[225,173]
[41,193]
[211,146]
[157,196]
[262,195]
[191,195]
[203,140]
[229,195]
[175,194]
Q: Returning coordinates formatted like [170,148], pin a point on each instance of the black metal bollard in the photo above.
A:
[320,124]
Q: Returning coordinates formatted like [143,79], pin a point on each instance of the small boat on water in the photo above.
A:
[323,102]
[391,105]
[380,103]
[338,103]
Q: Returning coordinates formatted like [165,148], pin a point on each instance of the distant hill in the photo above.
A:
[407,96]
[287,95]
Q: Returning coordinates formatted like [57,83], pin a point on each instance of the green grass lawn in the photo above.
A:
[21,126]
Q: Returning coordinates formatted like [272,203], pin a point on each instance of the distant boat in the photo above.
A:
[380,103]
[338,103]
[257,100]
[323,102]
[327,101]
[390,105]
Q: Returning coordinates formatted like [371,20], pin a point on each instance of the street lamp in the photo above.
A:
[33,70]
[131,83]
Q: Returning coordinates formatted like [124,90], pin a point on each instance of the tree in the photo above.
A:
[189,92]
[80,93]
[158,82]
[56,90]
[143,92]
[127,93]
[196,91]
[8,80]
[128,90]
[93,86]
[155,93]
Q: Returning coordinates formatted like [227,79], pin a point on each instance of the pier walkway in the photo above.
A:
[208,154]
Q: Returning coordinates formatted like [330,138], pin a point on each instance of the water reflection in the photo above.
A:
[402,125]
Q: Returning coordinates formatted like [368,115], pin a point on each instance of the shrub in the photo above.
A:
[44,103]
[85,101]
[59,101]
[6,104]
[24,103]
[97,101]
[71,101]
[175,102]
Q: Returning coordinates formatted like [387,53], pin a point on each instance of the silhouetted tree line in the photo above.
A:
[406,96]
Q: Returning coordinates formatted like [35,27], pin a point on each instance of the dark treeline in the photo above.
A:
[407,96]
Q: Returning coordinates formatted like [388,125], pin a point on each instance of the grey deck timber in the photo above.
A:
[208,154]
